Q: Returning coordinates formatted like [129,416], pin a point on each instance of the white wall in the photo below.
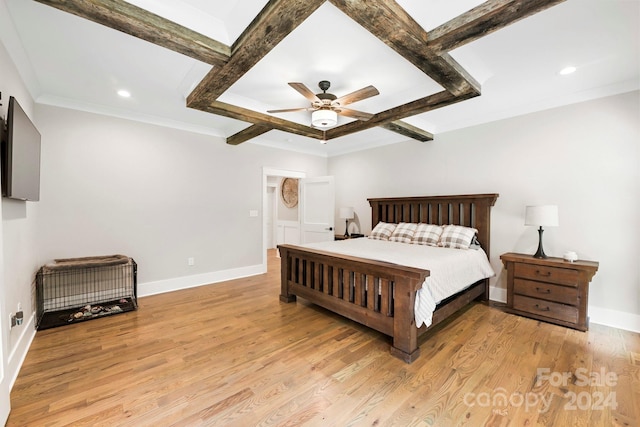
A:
[18,257]
[156,194]
[584,157]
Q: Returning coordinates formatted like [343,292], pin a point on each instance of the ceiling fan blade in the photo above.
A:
[359,95]
[289,110]
[360,115]
[305,91]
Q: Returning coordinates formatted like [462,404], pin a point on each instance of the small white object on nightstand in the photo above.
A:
[570,256]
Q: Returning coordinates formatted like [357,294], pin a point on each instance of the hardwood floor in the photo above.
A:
[232,354]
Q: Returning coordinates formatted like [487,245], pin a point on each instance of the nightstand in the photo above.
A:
[549,289]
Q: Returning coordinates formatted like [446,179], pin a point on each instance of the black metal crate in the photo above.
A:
[78,289]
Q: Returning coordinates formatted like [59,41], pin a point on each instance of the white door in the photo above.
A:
[317,208]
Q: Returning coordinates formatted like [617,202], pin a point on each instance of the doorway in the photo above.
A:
[271,177]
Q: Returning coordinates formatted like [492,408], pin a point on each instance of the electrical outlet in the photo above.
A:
[19,318]
[191,261]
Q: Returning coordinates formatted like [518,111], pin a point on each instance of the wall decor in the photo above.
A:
[289,192]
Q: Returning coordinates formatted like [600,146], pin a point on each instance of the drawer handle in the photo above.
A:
[539,273]
[543,291]
[543,308]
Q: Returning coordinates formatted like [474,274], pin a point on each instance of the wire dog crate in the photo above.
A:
[79,289]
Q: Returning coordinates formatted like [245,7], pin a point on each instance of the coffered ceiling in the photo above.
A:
[218,67]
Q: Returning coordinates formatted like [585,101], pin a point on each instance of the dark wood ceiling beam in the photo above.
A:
[397,126]
[410,131]
[484,19]
[140,23]
[247,134]
[276,20]
[398,30]
[256,118]
[260,127]
[422,105]
[263,123]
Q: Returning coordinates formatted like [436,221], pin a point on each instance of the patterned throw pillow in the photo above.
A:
[382,231]
[403,232]
[427,234]
[457,236]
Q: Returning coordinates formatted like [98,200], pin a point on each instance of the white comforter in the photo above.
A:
[452,270]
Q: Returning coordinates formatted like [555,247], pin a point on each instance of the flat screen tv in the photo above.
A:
[20,155]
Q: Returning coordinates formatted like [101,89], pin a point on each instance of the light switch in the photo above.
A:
[253,213]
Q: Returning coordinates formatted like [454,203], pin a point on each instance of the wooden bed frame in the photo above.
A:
[337,282]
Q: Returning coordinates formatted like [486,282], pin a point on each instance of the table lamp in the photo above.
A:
[545,215]
[346,214]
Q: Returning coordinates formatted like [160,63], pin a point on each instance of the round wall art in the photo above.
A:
[289,191]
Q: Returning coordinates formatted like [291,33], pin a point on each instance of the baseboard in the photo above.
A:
[497,294]
[185,282]
[601,316]
[19,351]
[614,318]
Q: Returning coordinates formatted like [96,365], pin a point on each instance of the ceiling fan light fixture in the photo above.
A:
[324,118]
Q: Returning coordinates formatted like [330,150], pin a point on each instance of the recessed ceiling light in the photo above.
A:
[124,93]
[567,70]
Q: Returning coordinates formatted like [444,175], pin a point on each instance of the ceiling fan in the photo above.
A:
[326,106]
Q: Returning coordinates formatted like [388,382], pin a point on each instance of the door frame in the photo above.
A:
[267,172]
[271,211]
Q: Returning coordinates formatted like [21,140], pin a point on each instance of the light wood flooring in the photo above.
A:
[232,354]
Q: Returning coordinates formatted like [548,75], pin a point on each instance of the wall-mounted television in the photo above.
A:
[20,155]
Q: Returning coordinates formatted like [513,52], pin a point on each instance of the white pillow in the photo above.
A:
[403,232]
[457,236]
[427,234]
[382,231]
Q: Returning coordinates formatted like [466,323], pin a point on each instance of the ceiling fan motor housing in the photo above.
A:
[326,98]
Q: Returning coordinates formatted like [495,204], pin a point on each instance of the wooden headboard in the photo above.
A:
[471,210]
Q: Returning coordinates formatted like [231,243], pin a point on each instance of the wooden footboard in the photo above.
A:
[377,294]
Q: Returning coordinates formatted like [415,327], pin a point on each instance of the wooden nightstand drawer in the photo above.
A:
[545,273]
[546,291]
[549,289]
[566,313]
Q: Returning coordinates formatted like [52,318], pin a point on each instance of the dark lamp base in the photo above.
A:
[540,252]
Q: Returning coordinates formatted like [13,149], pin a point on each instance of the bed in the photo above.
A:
[381,294]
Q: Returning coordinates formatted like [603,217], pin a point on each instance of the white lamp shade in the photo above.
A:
[324,118]
[545,215]
[346,213]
